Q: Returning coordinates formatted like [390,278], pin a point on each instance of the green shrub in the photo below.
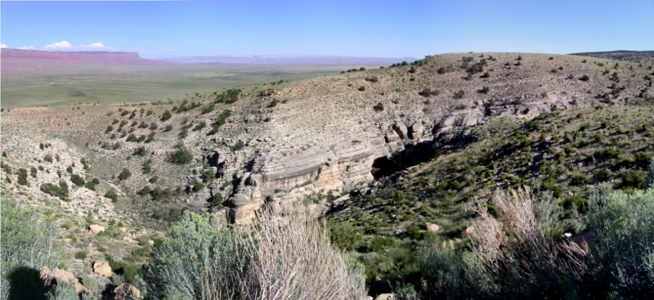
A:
[220,120]
[633,179]
[153,179]
[80,255]
[426,92]
[378,107]
[216,202]
[111,194]
[33,172]
[207,109]
[140,151]
[22,177]
[574,203]
[605,175]
[372,79]
[621,261]
[379,242]
[166,116]
[547,184]
[484,90]
[239,145]
[90,185]
[193,252]
[200,126]
[60,191]
[66,290]
[414,232]
[362,88]
[29,242]
[643,159]
[183,133]
[181,156]
[147,166]
[585,78]
[459,94]
[144,191]
[5,167]
[229,96]
[90,283]
[124,174]
[160,194]
[77,180]
[578,179]
[345,236]
[450,274]
[198,186]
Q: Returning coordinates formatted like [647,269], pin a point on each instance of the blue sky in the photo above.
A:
[345,28]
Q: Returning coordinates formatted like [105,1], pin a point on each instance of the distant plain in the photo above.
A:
[109,85]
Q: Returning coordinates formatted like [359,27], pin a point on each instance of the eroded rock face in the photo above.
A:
[283,180]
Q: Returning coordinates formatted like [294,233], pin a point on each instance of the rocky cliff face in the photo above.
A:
[265,178]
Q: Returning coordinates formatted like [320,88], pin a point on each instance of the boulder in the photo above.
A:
[123,229]
[58,275]
[433,227]
[385,297]
[102,268]
[123,291]
[468,231]
[95,229]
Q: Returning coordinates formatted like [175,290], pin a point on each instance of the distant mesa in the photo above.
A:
[34,58]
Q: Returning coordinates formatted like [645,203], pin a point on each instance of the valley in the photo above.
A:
[391,157]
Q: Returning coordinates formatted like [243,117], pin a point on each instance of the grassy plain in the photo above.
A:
[106,85]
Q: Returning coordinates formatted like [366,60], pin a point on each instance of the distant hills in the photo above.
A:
[280,59]
[621,55]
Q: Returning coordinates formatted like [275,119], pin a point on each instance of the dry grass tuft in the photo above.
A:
[291,258]
[522,236]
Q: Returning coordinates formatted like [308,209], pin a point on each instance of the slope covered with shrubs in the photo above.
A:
[575,162]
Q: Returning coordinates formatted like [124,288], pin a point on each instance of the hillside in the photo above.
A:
[397,159]
[283,141]
[567,153]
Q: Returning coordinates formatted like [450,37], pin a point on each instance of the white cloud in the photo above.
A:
[59,45]
[26,48]
[65,45]
[4,46]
